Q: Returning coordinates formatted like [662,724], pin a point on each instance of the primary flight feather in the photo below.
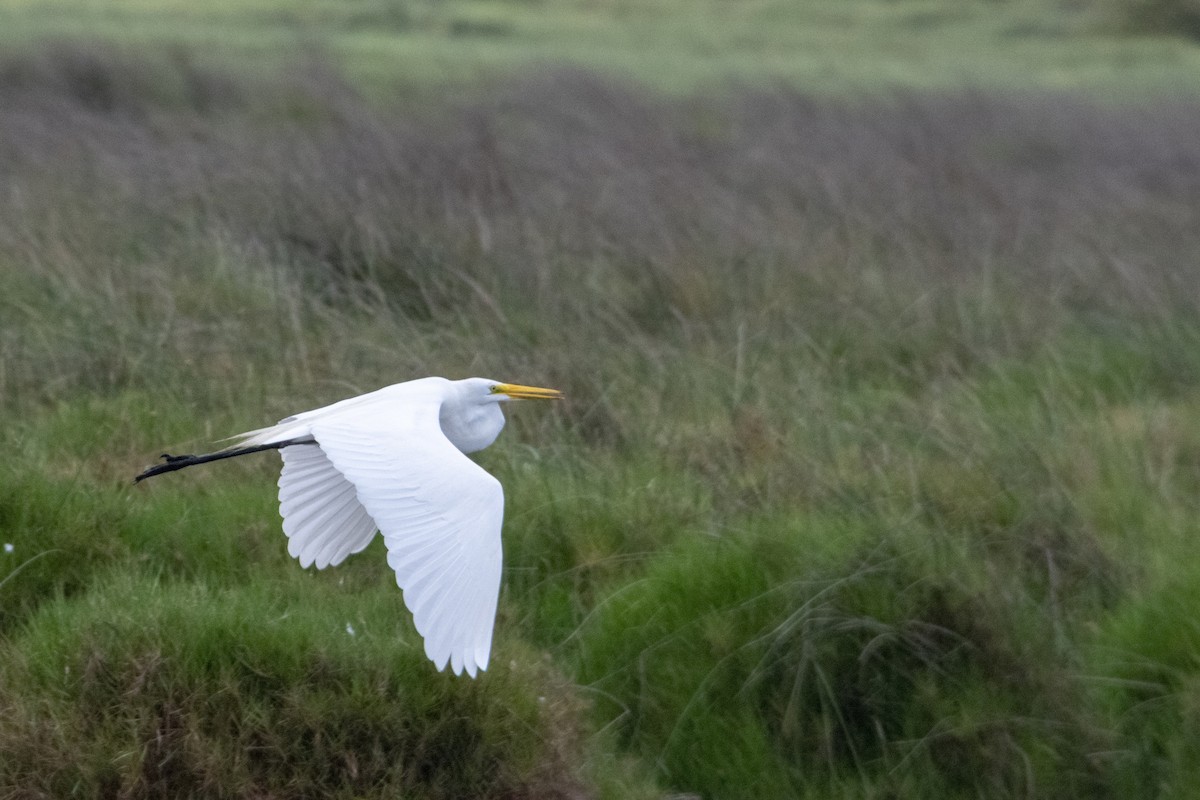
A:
[394,460]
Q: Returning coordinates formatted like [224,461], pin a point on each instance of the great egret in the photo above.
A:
[393,460]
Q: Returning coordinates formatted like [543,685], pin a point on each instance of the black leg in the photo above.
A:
[173,463]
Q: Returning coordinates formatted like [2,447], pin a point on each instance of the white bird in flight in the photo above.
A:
[393,460]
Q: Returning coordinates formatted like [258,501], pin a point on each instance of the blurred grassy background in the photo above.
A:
[880,469]
[1123,47]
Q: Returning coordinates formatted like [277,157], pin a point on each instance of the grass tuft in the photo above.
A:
[147,687]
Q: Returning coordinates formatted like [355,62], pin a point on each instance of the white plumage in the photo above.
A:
[394,460]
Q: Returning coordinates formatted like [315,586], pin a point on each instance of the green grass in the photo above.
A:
[190,689]
[851,44]
[879,472]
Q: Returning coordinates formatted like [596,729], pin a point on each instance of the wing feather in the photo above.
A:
[322,517]
[440,515]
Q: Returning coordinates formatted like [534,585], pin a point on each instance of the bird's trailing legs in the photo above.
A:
[172,463]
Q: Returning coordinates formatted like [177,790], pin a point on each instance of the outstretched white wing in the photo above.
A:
[440,515]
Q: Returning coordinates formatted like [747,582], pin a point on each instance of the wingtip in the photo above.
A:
[440,660]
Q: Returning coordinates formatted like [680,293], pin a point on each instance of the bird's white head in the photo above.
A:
[471,417]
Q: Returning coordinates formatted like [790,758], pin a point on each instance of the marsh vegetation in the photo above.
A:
[879,473]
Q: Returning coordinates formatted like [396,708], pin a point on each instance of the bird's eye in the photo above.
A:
[494,388]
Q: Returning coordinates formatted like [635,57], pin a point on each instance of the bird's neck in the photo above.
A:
[471,426]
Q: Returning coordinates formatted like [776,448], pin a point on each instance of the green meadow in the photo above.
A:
[1125,47]
[879,323]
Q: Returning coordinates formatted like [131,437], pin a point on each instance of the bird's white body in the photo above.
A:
[470,426]
[393,461]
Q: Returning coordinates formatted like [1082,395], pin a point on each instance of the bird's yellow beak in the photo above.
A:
[519,392]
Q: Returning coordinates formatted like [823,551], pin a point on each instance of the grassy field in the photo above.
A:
[407,46]
[879,472]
